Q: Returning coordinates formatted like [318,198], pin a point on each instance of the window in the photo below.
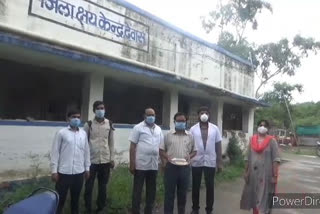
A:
[34,93]
[125,102]
[232,117]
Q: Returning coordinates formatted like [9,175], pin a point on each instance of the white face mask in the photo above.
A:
[262,130]
[204,118]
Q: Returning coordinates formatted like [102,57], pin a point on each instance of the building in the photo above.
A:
[60,54]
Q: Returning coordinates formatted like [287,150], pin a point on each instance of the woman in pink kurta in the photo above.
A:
[261,172]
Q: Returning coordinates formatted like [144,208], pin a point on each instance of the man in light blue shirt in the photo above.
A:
[145,140]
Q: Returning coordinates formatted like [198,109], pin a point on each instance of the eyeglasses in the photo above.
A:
[75,117]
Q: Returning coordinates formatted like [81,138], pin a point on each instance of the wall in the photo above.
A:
[19,143]
[163,47]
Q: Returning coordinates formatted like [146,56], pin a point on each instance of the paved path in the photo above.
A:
[300,174]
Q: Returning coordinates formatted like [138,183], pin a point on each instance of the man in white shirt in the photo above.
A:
[70,161]
[209,157]
[145,140]
[101,142]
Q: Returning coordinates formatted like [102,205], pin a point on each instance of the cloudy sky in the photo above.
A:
[289,17]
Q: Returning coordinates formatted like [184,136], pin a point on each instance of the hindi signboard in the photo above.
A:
[91,18]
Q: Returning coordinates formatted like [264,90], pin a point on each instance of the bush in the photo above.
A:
[234,152]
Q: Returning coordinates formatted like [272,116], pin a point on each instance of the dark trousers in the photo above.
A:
[74,183]
[209,173]
[150,176]
[102,171]
[176,177]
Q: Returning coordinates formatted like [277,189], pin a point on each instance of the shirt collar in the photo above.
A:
[185,132]
[146,125]
[103,122]
[69,127]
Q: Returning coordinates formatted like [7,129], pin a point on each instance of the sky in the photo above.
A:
[289,17]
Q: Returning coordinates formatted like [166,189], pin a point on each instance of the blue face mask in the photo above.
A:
[150,120]
[100,113]
[75,122]
[180,126]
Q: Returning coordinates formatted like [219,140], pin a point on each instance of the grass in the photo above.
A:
[119,189]
[230,173]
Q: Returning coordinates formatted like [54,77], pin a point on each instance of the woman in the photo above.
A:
[261,172]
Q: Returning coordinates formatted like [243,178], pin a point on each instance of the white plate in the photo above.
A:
[179,161]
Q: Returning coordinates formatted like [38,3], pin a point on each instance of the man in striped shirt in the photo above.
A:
[178,144]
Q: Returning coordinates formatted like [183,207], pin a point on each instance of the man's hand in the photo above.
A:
[87,175]
[112,164]
[55,177]
[188,159]
[132,168]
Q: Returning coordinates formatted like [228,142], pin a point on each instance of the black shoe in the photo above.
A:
[195,212]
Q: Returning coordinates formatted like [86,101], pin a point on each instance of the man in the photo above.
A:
[208,143]
[100,134]
[70,161]
[144,160]
[177,144]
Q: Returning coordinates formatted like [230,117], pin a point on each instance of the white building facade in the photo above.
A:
[61,54]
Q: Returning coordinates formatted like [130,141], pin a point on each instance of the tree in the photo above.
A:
[234,17]
[269,60]
[283,58]
[281,93]
[280,98]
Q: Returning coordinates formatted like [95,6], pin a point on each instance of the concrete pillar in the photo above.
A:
[220,115]
[170,107]
[245,119]
[93,87]
[216,113]
[251,121]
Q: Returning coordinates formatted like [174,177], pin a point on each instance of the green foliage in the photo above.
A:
[271,59]
[119,191]
[241,48]
[281,92]
[304,114]
[230,173]
[237,14]
[278,113]
[281,58]
[234,152]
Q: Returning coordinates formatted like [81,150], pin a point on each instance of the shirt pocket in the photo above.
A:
[81,143]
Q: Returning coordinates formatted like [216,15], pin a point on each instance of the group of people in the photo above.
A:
[80,155]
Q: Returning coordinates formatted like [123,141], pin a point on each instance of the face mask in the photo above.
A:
[204,118]
[180,125]
[75,122]
[262,130]
[150,120]
[100,113]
